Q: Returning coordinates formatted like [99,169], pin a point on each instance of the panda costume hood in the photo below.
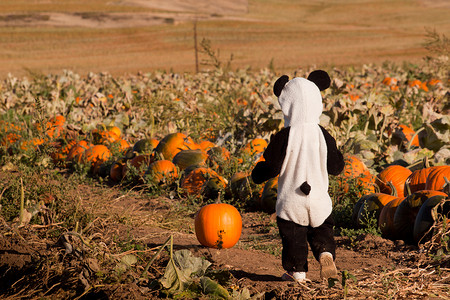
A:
[303,183]
[303,153]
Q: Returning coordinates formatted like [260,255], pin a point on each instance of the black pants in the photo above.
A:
[295,239]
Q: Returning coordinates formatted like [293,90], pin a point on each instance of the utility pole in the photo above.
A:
[195,46]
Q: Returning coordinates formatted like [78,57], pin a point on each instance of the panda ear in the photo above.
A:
[279,85]
[320,78]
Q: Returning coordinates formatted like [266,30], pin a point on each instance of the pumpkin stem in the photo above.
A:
[218,201]
[393,189]
[426,162]
[407,187]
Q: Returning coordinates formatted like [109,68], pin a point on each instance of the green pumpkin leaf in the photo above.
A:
[210,287]
[181,269]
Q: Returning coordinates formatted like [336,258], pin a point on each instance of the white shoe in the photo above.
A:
[327,266]
[295,276]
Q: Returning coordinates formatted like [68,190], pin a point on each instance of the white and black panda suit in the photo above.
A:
[303,153]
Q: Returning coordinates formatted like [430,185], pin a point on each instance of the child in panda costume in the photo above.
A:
[303,153]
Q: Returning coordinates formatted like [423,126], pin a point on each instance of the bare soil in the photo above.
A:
[36,261]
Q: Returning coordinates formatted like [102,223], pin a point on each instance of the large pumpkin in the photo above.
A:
[425,219]
[186,158]
[218,225]
[355,173]
[436,178]
[418,179]
[406,213]
[395,174]
[371,206]
[173,143]
[97,154]
[386,219]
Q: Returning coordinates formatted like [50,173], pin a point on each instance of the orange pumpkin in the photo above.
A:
[173,143]
[120,145]
[356,172]
[218,225]
[106,135]
[418,179]
[54,126]
[395,174]
[97,154]
[436,178]
[76,153]
[386,219]
[372,205]
[405,134]
[255,146]
[162,170]
[195,180]
[116,171]
[205,145]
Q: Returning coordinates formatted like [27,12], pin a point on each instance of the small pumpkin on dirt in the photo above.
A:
[218,225]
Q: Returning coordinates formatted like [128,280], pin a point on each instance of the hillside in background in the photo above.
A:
[144,35]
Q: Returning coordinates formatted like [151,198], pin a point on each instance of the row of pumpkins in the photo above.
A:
[217,225]
[404,202]
[403,206]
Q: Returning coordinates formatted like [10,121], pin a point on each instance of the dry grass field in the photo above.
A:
[127,36]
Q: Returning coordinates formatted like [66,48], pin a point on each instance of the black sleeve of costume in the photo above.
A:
[335,159]
[273,157]
[276,151]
